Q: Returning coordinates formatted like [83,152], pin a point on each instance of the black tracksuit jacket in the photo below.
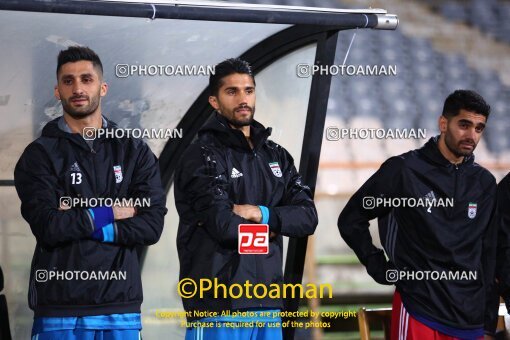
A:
[43,175]
[442,239]
[205,192]
[503,252]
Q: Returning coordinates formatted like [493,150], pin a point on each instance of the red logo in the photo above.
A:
[253,239]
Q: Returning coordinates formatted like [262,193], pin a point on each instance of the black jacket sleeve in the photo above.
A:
[501,226]
[353,222]
[503,248]
[295,215]
[489,259]
[201,196]
[37,185]
[146,227]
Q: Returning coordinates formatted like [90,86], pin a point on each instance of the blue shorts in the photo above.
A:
[238,328]
[90,334]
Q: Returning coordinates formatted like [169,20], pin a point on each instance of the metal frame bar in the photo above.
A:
[309,162]
[368,19]
[244,5]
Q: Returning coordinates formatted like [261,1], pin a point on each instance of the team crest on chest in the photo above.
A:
[117,170]
[472,210]
[275,168]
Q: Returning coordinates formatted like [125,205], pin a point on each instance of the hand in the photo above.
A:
[488,337]
[248,212]
[120,213]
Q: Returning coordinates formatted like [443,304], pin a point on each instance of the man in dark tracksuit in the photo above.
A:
[231,175]
[85,278]
[455,244]
[503,249]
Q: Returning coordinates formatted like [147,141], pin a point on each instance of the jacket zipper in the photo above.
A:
[93,153]
[455,188]
[257,262]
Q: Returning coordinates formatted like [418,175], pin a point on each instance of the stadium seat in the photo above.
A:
[379,315]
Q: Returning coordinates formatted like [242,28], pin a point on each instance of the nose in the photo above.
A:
[472,134]
[77,88]
[243,99]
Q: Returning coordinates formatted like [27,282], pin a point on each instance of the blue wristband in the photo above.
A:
[103,224]
[265,214]
[102,216]
[105,234]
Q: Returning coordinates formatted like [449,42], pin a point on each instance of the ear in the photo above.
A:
[443,124]
[104,89]
[214,102]
[56,93]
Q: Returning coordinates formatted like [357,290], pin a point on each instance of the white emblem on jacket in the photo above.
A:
[472,210]
[236,173]
[117,170]
[275,168]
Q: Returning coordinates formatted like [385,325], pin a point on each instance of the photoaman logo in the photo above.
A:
[253,239]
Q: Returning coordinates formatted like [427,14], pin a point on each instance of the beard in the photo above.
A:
[455,147]
[82,111]
[240,122]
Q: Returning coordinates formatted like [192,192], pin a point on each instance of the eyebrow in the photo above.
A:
[239,87]
[467,121]
[80,76]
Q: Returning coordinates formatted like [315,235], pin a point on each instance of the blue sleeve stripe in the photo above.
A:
[108,233]
[90,215]
[265,214]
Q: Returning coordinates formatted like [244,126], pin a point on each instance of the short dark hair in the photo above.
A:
[226,68]
[465,100]
[77,53]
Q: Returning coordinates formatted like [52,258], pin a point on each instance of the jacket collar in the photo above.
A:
[219,126]
[54,129]
[431,151]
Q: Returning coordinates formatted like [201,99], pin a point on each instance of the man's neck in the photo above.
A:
[246,132]
[447,153]
[244,129]
[94,120]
